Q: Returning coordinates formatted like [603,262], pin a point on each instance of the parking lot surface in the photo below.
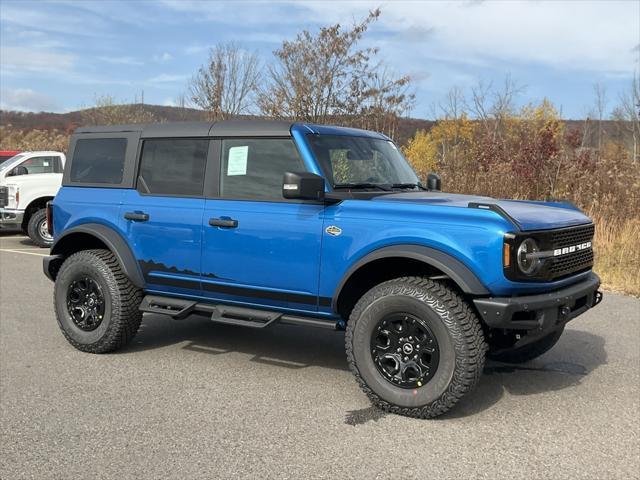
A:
[192,399]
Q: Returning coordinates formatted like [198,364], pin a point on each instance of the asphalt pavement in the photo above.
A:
[192,399]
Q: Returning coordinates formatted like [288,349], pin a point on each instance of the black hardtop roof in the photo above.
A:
[224,128]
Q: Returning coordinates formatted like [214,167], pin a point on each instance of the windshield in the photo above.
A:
[353,162]
[6,161]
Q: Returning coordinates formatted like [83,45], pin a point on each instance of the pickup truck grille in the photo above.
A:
[4,196]
[564,265]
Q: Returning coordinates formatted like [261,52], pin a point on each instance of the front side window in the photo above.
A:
[98,160]
[254,168]
[352,161]
[49,164]
[173,167]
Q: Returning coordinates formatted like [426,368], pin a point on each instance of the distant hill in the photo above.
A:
[69,121]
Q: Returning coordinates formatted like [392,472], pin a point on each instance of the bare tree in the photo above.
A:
[600,106]
[335,80]
[329,79]
[226,85]
[627,116]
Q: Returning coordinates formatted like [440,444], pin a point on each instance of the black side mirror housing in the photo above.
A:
[303,186]
[19,170]
[434,182]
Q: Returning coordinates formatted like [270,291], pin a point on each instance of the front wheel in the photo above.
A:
[415,346]
[37,229]
[96,304]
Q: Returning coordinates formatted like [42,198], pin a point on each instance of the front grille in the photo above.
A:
[4,196]
[570,263]
[572,236]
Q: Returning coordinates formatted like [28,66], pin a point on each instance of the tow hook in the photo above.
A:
[597,297]
[564,312]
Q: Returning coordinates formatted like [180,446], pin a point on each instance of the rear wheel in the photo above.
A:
[37,229]
[530,351]
[96,304]
[415,346]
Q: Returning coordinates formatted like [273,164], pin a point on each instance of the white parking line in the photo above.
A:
[23,252]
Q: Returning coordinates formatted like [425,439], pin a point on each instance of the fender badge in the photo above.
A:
[333,230]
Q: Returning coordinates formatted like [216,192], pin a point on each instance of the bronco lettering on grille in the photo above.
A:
[574,248]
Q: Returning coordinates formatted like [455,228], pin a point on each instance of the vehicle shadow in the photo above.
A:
[577,354]
[285,346]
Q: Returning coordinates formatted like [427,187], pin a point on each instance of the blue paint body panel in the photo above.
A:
[280,256]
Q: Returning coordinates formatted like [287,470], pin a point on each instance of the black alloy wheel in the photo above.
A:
[85,303]
[404,350]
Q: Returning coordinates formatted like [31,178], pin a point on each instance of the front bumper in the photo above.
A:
[11,218]
[537,314]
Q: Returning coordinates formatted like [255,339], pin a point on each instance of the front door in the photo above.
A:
[259,248]
[162,219]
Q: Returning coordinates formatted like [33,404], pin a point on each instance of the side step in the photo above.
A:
[174,307]
[179,309]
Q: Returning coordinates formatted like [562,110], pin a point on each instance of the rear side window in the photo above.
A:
[253,168]
[98,160]
[173,167]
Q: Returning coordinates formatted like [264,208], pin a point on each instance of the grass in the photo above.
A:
[618,254]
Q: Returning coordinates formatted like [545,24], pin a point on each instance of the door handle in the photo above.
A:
[136,216]
[223,222]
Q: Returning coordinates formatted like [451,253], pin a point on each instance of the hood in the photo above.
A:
[530,215]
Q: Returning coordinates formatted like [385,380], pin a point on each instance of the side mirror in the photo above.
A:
[19,170]
[434,182]
[303,186]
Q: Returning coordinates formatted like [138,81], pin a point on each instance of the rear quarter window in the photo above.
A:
[98,160]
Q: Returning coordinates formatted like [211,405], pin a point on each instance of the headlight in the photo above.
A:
[14,195]
[528,260]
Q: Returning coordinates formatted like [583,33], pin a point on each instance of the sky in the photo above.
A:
[60,55]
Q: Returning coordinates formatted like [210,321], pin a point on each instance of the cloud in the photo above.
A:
[168,78]
[164,57]
[564,35]
[19,59]
[123,60]
[26,100]
[196,49]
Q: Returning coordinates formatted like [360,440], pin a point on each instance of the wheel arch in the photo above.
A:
[33,206]
[402,260]
[94,235]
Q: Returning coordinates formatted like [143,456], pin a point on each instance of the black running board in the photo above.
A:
[179,309]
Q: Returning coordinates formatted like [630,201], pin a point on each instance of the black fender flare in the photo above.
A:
[114,242]
[450,266]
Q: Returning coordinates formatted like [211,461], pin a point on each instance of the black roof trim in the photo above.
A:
[224,128]
[251,128]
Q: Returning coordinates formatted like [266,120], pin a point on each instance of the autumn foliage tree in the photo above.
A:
[335,79]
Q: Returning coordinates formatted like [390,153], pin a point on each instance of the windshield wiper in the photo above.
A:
[355,186]
[408,185]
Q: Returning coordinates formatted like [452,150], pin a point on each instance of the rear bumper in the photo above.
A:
[11,218]
[543,312]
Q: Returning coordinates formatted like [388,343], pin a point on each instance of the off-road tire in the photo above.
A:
[528,352]
[458,332]
[33,229]
[121,316]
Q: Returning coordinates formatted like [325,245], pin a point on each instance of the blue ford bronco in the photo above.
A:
[254,223]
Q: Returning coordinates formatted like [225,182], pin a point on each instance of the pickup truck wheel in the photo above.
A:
[415,346]
[37,229]
[96,304]
[528,352]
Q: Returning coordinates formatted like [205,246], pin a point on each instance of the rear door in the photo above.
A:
[162,217]
[259,248]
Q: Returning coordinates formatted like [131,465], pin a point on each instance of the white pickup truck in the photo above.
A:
[27,182]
